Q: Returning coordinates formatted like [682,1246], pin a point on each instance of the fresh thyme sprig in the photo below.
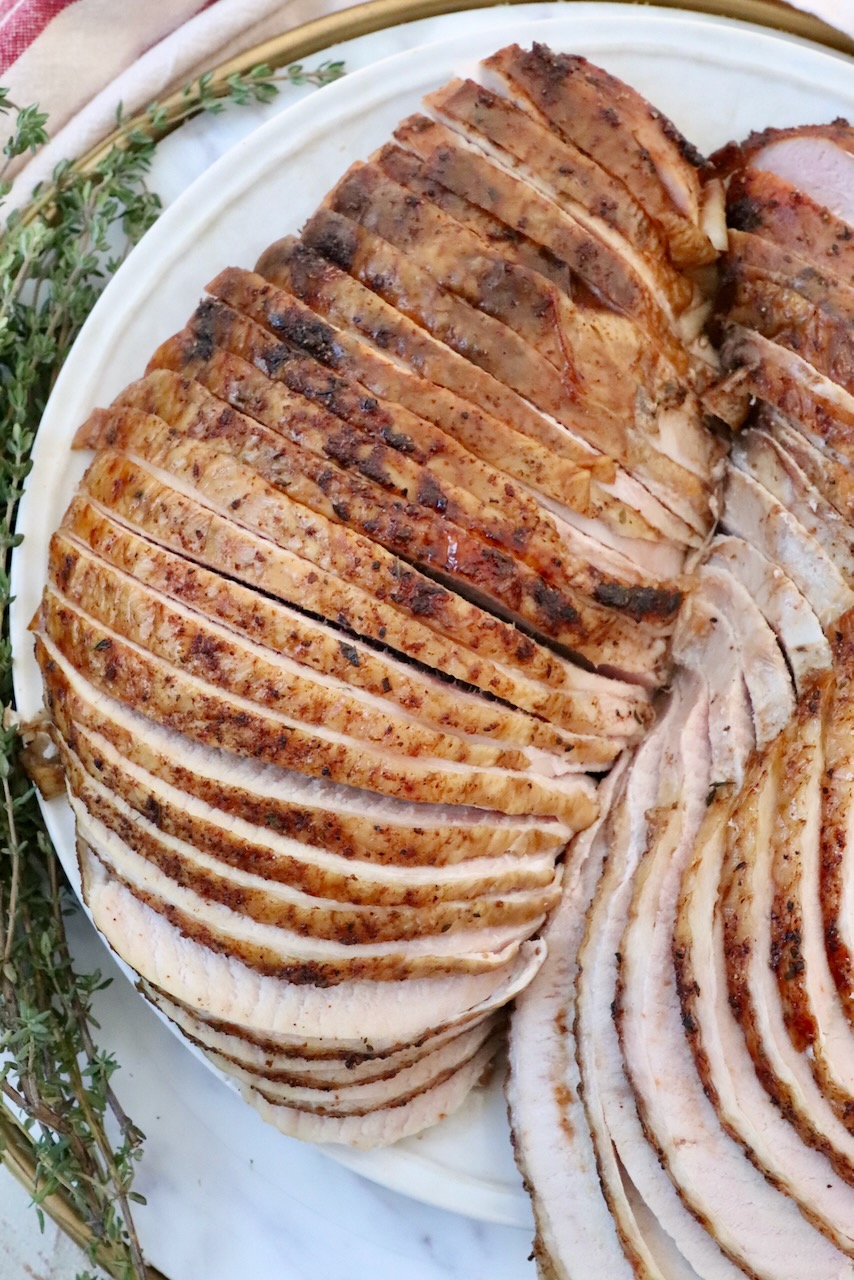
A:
[61,1125]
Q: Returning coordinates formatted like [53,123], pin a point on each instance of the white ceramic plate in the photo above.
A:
[715,78]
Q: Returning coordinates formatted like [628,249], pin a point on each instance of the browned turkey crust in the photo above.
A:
[322,648]
[571,178]
[766,818]
[191,706]
[309,495]
[724,1066]
[765,205]
[614,125]
[196,520]
[497,349]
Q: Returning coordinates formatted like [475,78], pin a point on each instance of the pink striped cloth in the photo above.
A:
[78,59]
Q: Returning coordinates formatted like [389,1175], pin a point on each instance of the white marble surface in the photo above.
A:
[226,1197]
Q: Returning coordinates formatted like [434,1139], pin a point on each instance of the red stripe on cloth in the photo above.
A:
[21,22]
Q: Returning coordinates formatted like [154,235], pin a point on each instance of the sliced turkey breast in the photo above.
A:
[765,819]
[551,1138]
[383,1126]
[760,202]
[725,1067]
[281,953]
[148,501]
[342,820]
[280,903]
[585,249]
[306,495]
[235,381]
[496,348]
[131,795]
[349,305]
[769,684]
[820,334]
[835,880]
[424,538]
[287,319]
[706,640]
[191,706]
[823,466]
[320,647]
[817,160]
[213,653]
[759,454]
[597,962]
[812,1011]
[295,1067]
[613,124]
[358,1097]
[783,606]
[359,1015]
[755,515]
[683,768]
[596,200]
[760,1230]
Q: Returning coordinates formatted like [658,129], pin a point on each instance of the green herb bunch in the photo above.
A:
[62,1128]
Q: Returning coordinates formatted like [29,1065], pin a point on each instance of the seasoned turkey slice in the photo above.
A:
[460,260]
[357,1097]
[283,953]
[392,428]
[784,607]
[818,160]
[755,515]
[820,335]
[614,125]
[399,527]
[173,514]
[243,667]
[551,1139]
[322,648]
[497,349]
[574,179]
[307,492]
[535,542]
[766,459]
[769,816]
[584,251]
[296,1064]
[358,1015]
[752,1223]
[280,904]
[596,200]
[348,304]
[276,859]
[825,470]
[383,1126]
[706,640]
[836,872]
[646,840]
[189,705]
[756,257]
[347,822]
[766,205]
[494,440]
[812,1010]
[589,344]
[234,491]
[769,684]
[726,1069]
[819,407]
